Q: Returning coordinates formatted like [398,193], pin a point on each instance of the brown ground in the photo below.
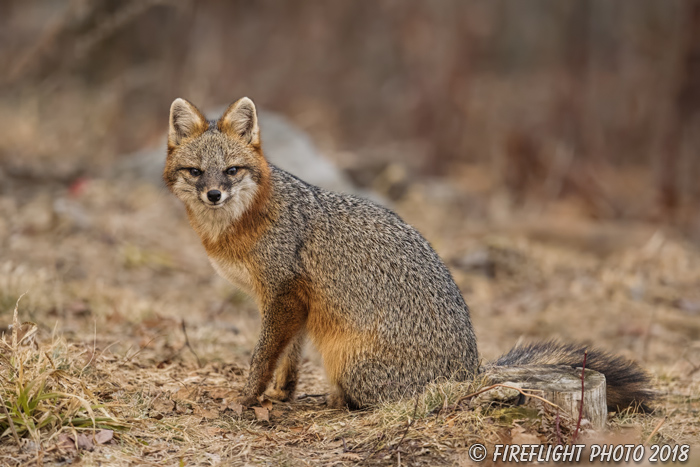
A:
[112,271]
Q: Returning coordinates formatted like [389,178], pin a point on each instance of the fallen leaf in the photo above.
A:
[206,413]
[185,394]
[65,441]
[104,436]
[267,403]
[85,442]
[221,393]
[162,405]
[262,414]
[27,333]
[351,456]
[183,407]
[236,407]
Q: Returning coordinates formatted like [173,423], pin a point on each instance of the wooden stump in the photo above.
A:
[560,385]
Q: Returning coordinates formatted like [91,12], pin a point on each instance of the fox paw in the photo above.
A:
[280,395]
[247,401]
[336,400]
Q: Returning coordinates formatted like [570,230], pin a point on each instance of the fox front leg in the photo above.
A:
[287,374]
[282,321]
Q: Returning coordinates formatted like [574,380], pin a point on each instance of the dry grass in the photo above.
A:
[46,391]
[112,270]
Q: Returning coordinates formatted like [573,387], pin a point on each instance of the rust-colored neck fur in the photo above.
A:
[238,238]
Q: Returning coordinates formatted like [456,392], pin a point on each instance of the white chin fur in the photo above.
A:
[216,218]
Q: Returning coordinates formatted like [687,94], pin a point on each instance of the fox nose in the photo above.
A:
[214,196]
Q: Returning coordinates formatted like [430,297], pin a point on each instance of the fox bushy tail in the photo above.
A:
[627,384]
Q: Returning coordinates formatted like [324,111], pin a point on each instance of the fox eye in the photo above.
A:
[231,171]
[195,172]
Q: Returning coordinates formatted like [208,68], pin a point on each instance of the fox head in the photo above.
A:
[215,167]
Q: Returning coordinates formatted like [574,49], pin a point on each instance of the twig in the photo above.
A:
[526,394]
[580,407]
[187,344]
[647,336]
[655,430]
[374,449]
[50,360]
[556,424]
[119,19]
[408,425]
[94,347]
[9,419]
[16,326]
[107,348]
[306,396]
[695,368]
[128,359]
[40,47]
[444,402]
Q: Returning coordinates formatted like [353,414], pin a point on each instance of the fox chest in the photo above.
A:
[236,273]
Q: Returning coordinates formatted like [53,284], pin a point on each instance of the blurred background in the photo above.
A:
[547,149]
[528,106]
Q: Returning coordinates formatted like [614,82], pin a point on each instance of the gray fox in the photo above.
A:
[365,287]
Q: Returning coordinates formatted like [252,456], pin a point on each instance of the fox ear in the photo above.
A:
[185,121]
[241,121]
